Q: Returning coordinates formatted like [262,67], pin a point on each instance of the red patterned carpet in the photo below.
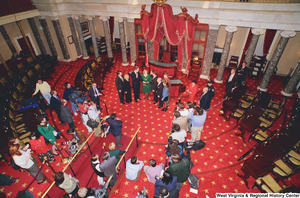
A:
[216,165]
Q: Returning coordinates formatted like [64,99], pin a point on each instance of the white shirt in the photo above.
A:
[230,78]
[21,160]
[184,112]
[92,112]
[180,136]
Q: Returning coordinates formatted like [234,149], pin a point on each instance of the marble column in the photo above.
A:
[48,36]
[250,51]
[7,39]
[37,35]
[60,37]
[107,36]
[120,21]
[93,35]
[131,33]
[294,80]
[80,35]
[75,40]
[184,60]
[285,36]
[150,50]
[230,31]
[209,51]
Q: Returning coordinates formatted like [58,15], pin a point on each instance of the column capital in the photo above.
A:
[231,28]
[258,31]
[41,17]
[119,19]
[75,16]
[287,33]
[54,18]
[104,18]
[89,17]
[213,26]
[130,20]
[69,15]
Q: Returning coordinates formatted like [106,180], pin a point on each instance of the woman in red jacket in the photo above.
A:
[191,91]
[41,148]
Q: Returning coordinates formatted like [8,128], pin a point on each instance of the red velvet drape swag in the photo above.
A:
[177,31]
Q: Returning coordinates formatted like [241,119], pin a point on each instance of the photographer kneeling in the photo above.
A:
[168,181]
[197,118]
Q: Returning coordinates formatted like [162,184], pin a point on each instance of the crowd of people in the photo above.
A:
[167,178]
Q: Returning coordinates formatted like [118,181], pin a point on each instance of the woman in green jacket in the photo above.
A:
[146,83]
[47,131]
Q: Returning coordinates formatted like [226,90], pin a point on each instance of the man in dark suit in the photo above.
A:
[66,114]
[136,78]
[230,82]
[204,99]
[119,83]
[55,105]
[159,90]
[109,168]
[153,85]
[94,95]
[211,90]
[116,128]
[241,73]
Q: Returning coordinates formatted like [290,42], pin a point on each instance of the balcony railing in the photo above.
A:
[8,7]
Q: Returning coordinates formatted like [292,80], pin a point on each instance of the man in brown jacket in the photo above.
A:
[77,136]
[182,121]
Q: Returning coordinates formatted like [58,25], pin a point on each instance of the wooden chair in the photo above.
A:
[262,135]
[233,62]
[294,158]
[3,81]
[20,66]
[269,185]
[277,103]
[166,57]
[29,59]
[98,59]
[282,169]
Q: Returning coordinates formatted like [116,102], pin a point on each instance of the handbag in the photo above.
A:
[92,123]
[192,179]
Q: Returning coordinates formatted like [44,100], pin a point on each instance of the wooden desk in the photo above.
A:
[177,88]
[161,68]
[255,167]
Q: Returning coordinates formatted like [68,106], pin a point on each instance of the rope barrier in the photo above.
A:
[216,104]
[32,180]
[64,169]
[128,147]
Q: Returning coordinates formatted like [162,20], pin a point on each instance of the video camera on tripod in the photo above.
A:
[142,194]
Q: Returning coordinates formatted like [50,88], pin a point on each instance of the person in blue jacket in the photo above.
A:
[116,128]
[165,180]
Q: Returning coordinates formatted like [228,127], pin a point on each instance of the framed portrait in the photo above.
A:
[70,39]
[84,27]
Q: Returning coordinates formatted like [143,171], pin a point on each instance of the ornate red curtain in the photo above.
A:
[178,30]
[111,27]
[246,46]
[269,36]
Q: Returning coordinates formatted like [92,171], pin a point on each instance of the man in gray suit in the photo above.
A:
[109,168]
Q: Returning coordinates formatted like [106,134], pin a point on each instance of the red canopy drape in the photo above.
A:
[111,27]
[178,30]
[246,46]
[269,36]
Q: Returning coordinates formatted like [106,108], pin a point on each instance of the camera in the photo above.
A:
[157,177]
[142,194]
[179,101]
